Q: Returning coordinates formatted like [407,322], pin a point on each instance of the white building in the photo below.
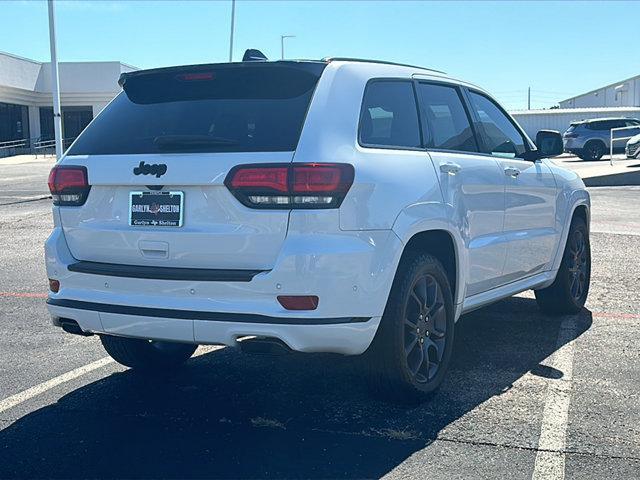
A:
[620,94]
[26,101]
[559,119]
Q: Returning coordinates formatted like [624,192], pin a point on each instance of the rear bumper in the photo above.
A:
[348,336]
[351,273]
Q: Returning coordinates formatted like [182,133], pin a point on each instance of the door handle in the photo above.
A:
[450,168]
[512,172]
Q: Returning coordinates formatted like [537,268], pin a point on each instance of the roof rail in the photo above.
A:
[366,60]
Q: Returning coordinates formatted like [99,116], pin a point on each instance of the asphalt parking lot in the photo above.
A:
[527,396]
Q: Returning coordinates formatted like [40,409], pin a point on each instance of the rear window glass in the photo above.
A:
[447,120]
[389,115]
[221,108]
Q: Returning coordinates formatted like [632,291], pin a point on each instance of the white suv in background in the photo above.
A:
[318,206]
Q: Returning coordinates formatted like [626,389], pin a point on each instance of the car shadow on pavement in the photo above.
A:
[231,415]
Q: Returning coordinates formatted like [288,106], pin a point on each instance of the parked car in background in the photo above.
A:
[333,206]
[590,139]
[633,147]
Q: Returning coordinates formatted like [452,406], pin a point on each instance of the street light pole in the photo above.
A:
[282,37]
[55,81]
[233,18]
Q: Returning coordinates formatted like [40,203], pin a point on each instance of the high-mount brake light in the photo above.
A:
[291,185]
[195,76]
[69,185]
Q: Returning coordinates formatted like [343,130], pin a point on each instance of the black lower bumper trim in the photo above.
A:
[199,315]
[163,273]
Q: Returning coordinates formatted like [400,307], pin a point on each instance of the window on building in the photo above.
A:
[447,123]
[499,135]
[389,116]
[14,122]
[74,121]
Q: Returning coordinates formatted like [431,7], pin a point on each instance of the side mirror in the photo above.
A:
[549,143]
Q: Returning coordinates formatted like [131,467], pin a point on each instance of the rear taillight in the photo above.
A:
[286,186]
[570,135]
[69,185]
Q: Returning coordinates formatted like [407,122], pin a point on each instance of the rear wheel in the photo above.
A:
[593,150]
[568,293]
[147,355]
[411,352]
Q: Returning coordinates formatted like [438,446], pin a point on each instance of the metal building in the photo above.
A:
[560,118]
[619,94]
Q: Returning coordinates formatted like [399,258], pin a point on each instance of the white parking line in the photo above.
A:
[553,434]
[41,388]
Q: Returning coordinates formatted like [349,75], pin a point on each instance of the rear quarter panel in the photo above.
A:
[386,180]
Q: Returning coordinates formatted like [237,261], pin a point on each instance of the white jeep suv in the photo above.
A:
[335,206]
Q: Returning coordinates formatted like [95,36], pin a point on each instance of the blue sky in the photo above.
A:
[557,48]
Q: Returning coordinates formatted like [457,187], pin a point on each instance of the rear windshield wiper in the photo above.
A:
[171,142]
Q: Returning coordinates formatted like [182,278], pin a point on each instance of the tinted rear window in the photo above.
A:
[389,116]
[605,124]
[218,108]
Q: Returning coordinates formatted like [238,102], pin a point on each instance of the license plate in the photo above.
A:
[156,209]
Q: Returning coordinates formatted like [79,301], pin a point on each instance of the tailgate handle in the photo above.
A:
[153,249]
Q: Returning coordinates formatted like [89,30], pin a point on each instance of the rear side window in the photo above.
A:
[217,108]
[389,116]
[499,135]
[447,123]
[605,125]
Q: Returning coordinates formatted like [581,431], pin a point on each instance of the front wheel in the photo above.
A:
[411,352]
[147,355]
[593,150]
[568,293]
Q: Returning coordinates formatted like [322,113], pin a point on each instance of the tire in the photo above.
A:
[147,355]
[568,293]
[418,319]
[593,150]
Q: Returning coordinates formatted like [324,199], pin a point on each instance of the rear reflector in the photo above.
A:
[299,302]
[68,185]
[306,185]
[54,285]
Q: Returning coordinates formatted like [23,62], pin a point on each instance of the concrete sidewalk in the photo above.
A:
[22,159]
[600,173]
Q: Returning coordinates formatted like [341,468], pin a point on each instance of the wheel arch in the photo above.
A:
[580,207]
[442,244]
[582,210]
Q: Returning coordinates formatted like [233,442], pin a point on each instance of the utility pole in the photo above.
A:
[529,99]
[233,18]
[282,37]
[55,81]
